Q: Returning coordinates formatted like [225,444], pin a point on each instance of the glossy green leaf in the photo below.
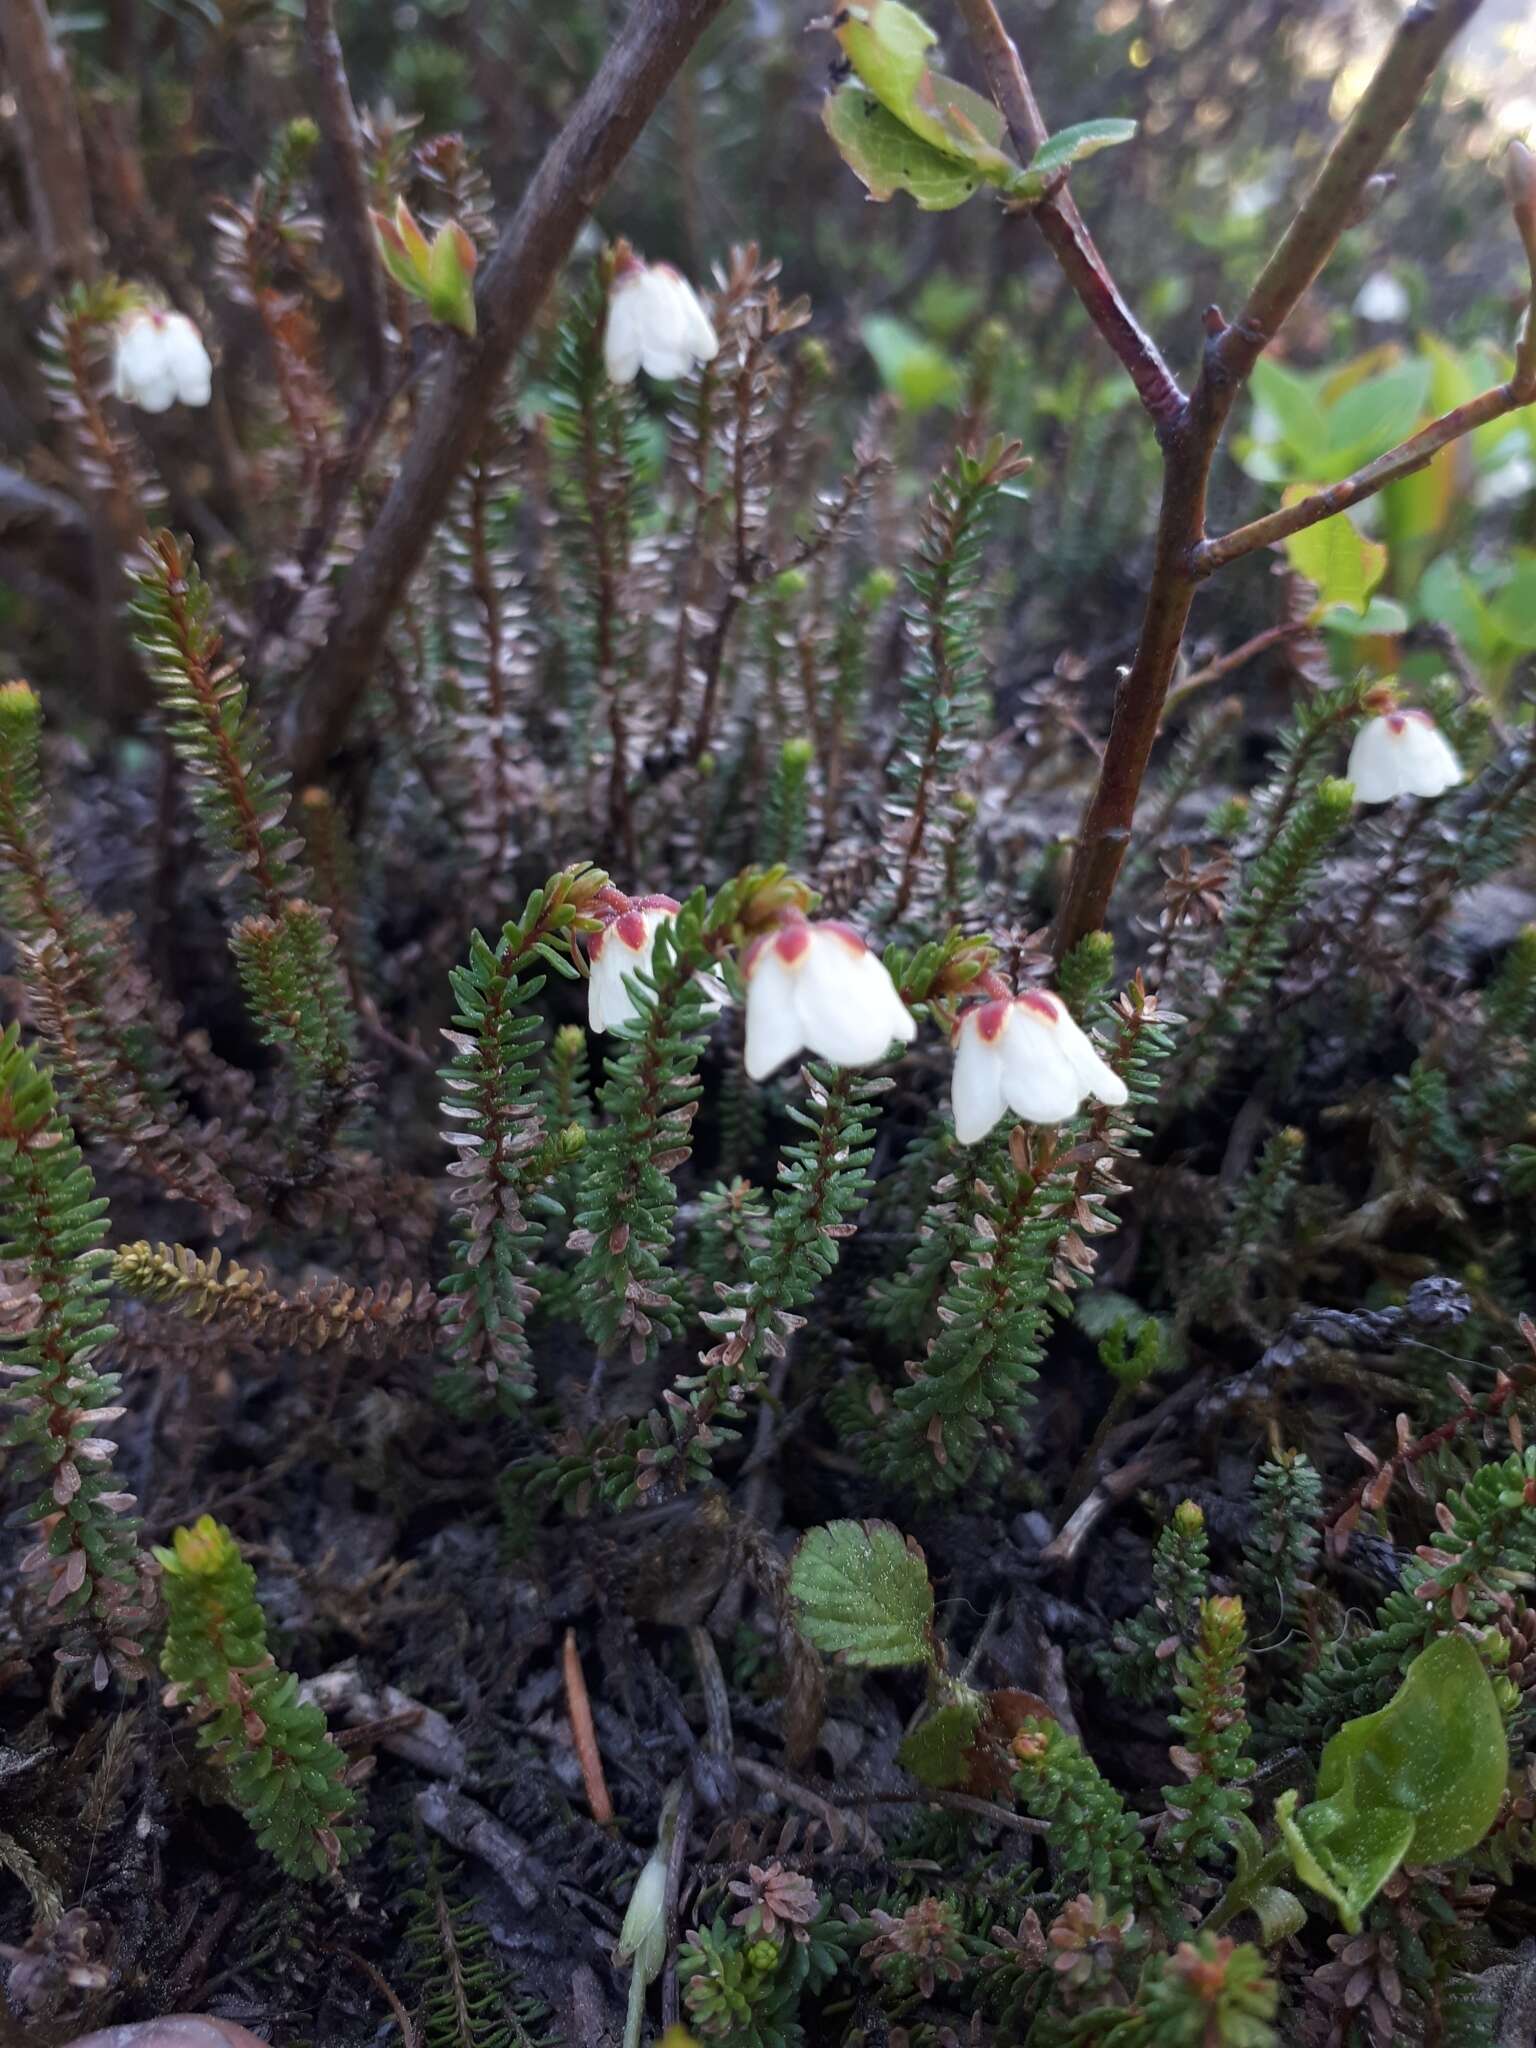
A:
[887,157]
[1295,405]
[1336,556]
[938,1751]
[1381,615]
[1421,1780]
[1448,594]
[912,369]
[863,1594]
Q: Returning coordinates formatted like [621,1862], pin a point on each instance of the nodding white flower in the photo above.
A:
[655,323]
[1402,753]
[158,359]
[1027,1054]
[1382,299]
[626,946]
[819,988]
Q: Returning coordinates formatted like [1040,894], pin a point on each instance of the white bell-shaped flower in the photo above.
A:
[158,360]
[1026,1054]
[627,946]
[624,947]
[1402,753]
[819,988]
[655,323]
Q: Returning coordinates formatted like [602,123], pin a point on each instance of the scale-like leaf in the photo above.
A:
[863,1594]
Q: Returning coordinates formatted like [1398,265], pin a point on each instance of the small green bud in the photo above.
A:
[877,589]
[643,1936]
[798,753]
[1335,798]
[571,1142]
[1189,1518]
[20,711]
[815,358]
[789,583]
[570,1040]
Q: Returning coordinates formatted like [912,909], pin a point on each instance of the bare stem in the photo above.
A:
[58,190]
[1063,226]
[649,52]
[337,119]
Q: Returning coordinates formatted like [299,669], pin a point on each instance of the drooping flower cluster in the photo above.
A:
[817,987]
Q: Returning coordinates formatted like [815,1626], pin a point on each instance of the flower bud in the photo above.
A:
[643,1936]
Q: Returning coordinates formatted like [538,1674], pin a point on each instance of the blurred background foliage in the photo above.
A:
[1235,104]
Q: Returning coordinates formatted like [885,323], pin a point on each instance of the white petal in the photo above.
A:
[190,366]
[1382,298]
[1095,1074]
[976,1087]
[1039,1082]
[849,1007]
[1375,764]
[773,1015]
[622,341]
[1430,766]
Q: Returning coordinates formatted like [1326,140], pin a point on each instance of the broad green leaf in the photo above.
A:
[1292,402]
[1336,556]
[863,1594]
[1421,1780]
[1373,417]
[887,45]
[913,370]
[938,1751]
[1447,594]
[1381,615]
[1280,1913]
[887,157]
[1070,145]
[1513,605]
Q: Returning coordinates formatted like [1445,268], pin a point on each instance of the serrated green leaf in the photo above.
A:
[1336,556]
[887,157]
[938,1751]
[1421,1779]
[863,1594]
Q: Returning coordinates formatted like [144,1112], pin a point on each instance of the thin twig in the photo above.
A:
[584,1735]
[1225,664]
[640,65]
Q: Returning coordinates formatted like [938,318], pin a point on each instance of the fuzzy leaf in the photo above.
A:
[938,1751]
[886,157]
[863,1594]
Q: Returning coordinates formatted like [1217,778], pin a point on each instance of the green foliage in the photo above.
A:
[282,1769]
[51,1225]
[1420,1781]
[1281,1546]
[1275,889]
[285,950]
[746,1991]
[461,1985]
[625,1224]
[1210,1993]
[1095,1842]
[498,1134]
[1138,1667]
[1086,974]
[862,1594]
[1212,1756]
[945,703]
[781,834]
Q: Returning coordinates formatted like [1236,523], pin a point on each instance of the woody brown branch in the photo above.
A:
[53,155]
[651,49]
[1190,440]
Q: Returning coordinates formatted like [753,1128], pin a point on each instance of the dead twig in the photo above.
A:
[584,1734]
